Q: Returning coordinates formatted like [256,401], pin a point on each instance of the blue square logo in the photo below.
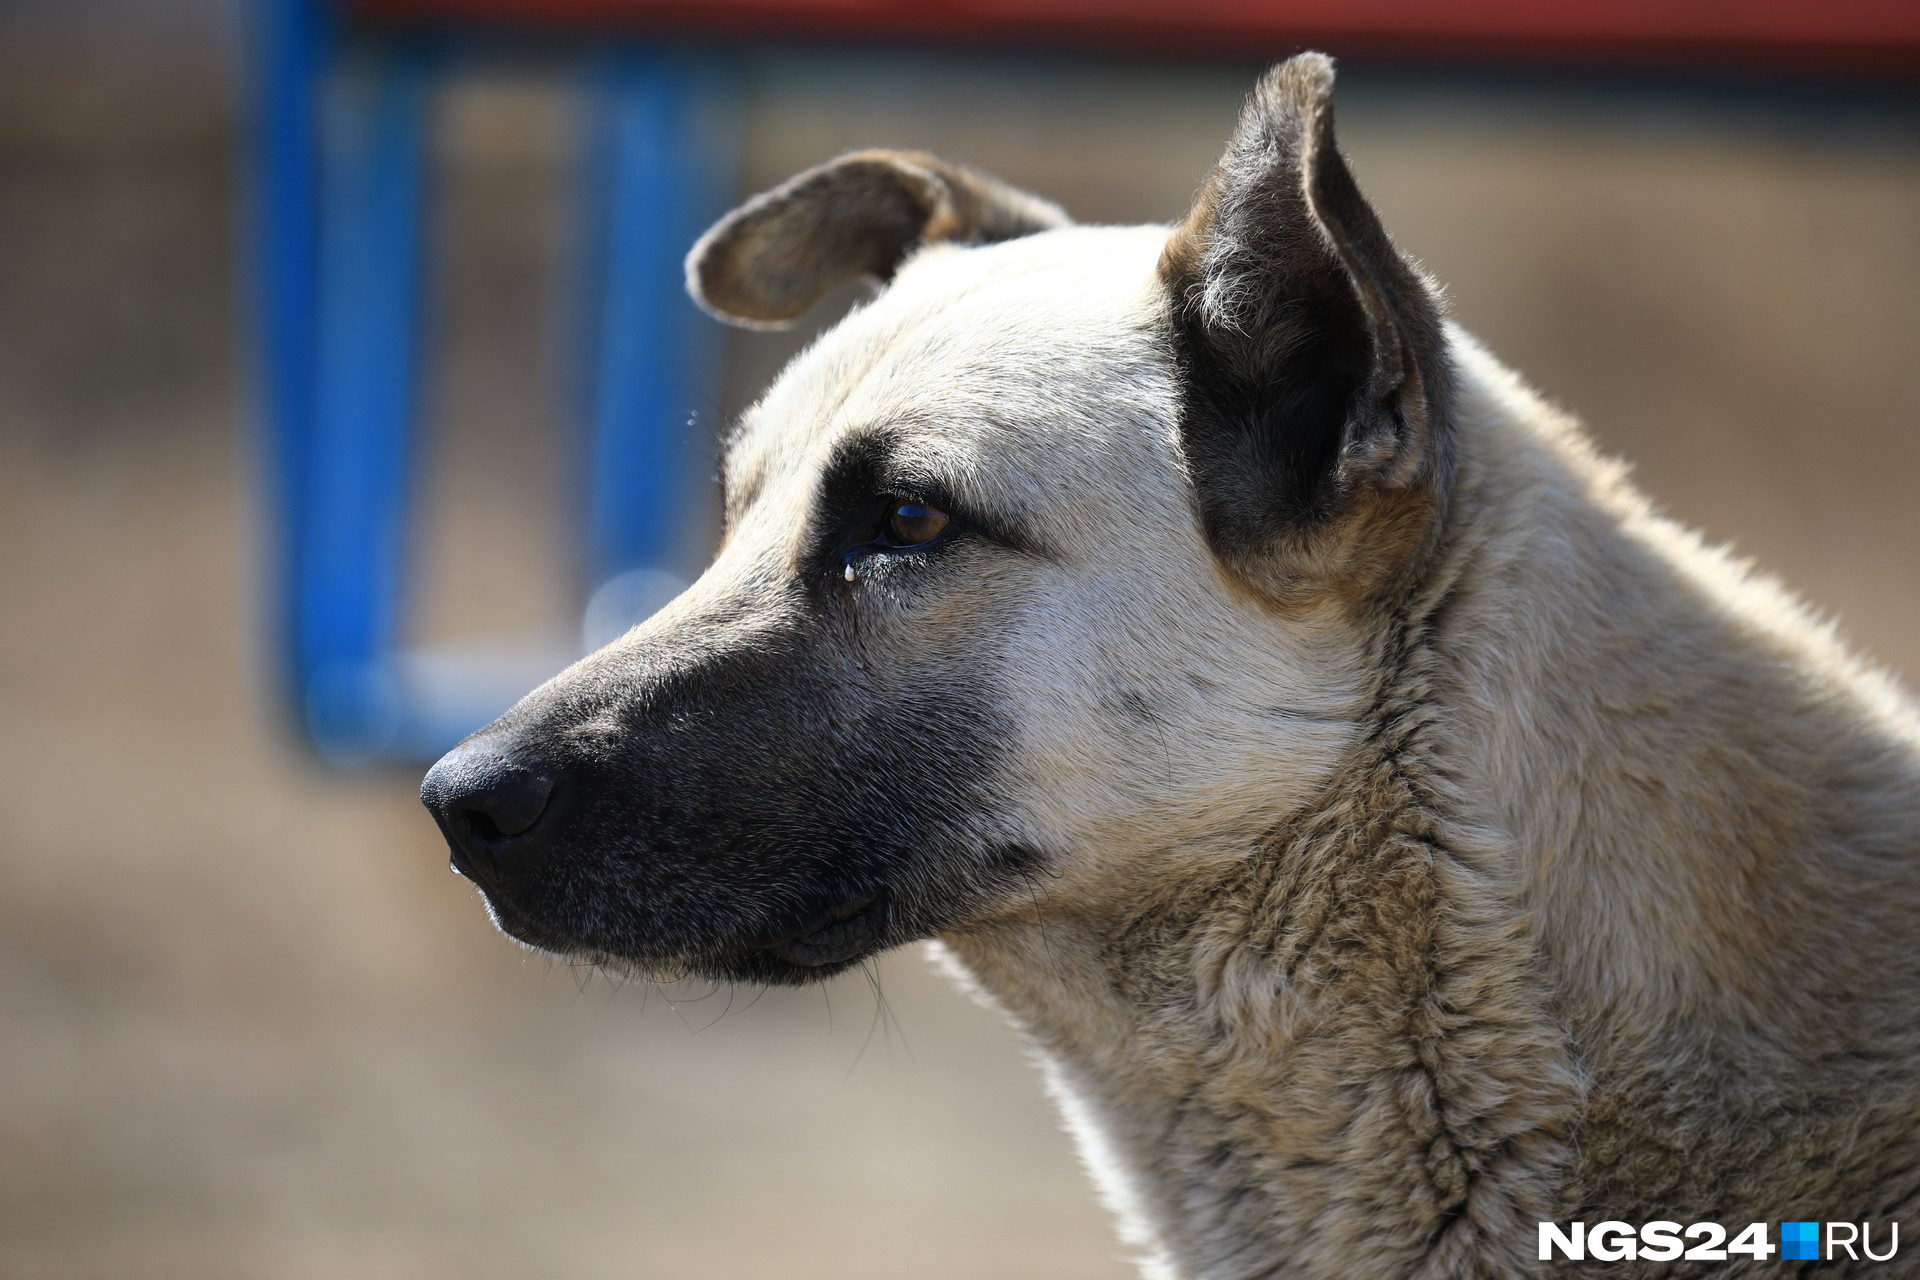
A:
[1799,1241]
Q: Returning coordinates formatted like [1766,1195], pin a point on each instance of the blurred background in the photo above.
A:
[249,1025]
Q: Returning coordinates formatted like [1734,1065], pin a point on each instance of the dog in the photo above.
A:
[1392,834]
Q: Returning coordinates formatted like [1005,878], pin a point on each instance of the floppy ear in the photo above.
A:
[1314,368]
[860,215]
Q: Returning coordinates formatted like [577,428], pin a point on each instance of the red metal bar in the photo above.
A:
[1808,34]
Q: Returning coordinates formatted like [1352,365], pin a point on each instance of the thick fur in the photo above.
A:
[1389,831]
[1608,914]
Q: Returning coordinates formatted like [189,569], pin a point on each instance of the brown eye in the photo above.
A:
[913,524]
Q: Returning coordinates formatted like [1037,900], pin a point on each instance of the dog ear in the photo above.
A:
[1315,378]
[765,263]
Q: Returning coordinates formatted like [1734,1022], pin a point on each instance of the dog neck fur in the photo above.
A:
[1569,924]
[1339,1044]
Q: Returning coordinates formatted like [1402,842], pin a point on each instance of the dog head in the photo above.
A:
[1057,562]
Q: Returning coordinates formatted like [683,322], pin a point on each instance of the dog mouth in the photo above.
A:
[835,935]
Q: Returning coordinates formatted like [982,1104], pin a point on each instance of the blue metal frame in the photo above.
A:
[662,131]
[352,539]
[341,143]
[284,165]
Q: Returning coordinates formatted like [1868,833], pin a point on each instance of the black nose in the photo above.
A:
[488,805]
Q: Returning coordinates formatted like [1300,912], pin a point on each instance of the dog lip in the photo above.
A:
[520,926]
[835,935]
[853,928]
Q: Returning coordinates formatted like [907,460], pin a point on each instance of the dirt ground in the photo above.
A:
[249,1025]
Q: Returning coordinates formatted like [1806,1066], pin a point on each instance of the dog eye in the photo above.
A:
[913,524]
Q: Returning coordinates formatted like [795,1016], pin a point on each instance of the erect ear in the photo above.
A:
[1316,385]
[860,215]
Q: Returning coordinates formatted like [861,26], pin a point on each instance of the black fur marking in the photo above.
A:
[1262,429]
[772,803]
[1312,360]
[858,484]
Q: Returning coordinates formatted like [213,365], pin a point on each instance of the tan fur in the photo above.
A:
[1541,863]
[1609,913]
[1594,895]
